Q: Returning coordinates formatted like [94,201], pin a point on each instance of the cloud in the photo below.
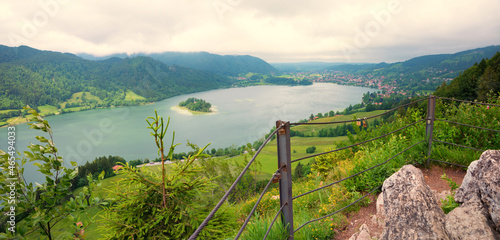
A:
[277,31]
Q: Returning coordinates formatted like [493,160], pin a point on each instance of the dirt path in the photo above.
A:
[432,177]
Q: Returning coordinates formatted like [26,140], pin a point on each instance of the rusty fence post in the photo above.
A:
[431,109]
[285,182]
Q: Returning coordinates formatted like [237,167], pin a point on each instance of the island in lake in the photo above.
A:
[196,105]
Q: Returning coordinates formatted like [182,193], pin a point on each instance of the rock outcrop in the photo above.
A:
[410,208]
[481,185]
[478,217]
[363,234]
[469,222]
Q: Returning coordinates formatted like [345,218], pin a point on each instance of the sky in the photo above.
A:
[276,31]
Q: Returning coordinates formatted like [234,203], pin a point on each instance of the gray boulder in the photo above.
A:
[481,186]
[469,222]
[410,208]
[363,234]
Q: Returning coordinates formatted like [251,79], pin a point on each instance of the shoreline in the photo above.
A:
[25,119]
[189,112]
[186,111]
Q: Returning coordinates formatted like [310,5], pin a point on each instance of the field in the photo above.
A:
[268,156]
[78,98]
[317,128]
[131,96]
[48,110]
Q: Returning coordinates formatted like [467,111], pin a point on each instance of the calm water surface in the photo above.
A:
[244,115]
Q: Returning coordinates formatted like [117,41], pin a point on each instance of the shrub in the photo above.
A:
[311,149]
[42,206]
[153,205]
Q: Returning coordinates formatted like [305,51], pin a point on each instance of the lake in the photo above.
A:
[243,115]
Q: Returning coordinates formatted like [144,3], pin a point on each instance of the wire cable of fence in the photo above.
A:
[467,125]
[340,210]
[458,100]
[454,164]
[233,186]
[356,144]
[274,220]
[356,174]
[256,204]
[348,121]
[458,145]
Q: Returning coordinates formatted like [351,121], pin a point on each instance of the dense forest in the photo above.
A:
[195,104]
[480,82]
[286,81]
[420,73]
[33,77]
[226,65]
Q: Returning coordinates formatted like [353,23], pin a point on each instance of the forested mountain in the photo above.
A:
[34,77]
[477,82]
[452,62]
[226,65]
[420,73]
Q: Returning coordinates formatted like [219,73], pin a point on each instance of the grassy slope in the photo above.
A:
[317,128]
[77,98]
[268,155]
[267,158]
[131,96]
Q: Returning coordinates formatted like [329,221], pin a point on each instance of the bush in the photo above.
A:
[311,149]
[157,205]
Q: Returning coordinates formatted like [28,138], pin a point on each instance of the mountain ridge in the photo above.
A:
[226,65]
[36,77]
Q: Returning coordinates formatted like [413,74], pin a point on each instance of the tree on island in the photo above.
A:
[195,104]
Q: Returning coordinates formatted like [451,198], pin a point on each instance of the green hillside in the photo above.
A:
[477,82]
[226,65]
[34,77]
[423,73]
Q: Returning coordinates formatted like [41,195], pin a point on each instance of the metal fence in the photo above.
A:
[284,177]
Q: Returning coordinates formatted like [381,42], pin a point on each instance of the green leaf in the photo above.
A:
[41,139]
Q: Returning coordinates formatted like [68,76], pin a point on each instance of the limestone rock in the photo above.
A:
[481,185]
[467,191]
[363,234]
[380,205]
[440,196]
[377,220]
[410,208]
[469,222]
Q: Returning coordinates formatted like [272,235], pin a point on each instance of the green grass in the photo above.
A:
[48,109]
[8,110]
[268,155]
[131,96]
[75,109]
[77,98]
[317,128]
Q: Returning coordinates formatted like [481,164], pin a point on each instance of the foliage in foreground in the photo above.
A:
[41,206]
[154,206]
[340,164]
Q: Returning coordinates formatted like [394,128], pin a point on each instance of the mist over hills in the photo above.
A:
[35,77]
[455,62]
[226,65]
